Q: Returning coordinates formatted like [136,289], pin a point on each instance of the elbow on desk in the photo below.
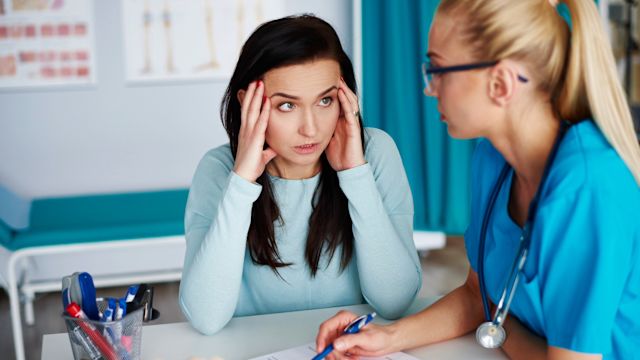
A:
[391,307]
[392,304]
[206,321]
[391,311]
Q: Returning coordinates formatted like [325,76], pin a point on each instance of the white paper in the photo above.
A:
[308,351]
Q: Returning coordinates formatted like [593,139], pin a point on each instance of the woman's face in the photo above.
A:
[304,112]
[462,100]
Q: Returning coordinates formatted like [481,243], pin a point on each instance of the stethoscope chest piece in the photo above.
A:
[490,335]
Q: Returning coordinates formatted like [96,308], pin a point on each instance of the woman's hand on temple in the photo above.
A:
[345,150]
[251,157]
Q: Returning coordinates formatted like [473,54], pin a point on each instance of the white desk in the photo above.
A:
[247,337]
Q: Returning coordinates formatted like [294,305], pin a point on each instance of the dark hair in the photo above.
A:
[282,42]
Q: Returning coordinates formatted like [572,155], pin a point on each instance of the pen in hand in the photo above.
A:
[353,328]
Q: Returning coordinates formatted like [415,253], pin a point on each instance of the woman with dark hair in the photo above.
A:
[302,209]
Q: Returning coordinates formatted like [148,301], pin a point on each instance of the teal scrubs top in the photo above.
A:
[580,287]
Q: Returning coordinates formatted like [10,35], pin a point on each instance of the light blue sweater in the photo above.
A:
[219,279]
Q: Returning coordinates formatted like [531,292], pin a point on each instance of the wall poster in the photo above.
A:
[46,42]
[189,40]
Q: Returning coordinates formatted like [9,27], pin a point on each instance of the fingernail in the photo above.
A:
[339,345]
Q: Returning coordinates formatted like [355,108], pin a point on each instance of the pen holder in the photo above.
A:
[111,340]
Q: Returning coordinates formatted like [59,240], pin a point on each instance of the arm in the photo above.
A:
[217,221]
[218,217]
[523,344]
[381,210]
[454,315]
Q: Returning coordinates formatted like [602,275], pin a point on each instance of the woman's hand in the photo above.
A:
[345,150]
[372,340]
[251,157]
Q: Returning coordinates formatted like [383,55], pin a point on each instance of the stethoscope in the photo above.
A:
[491,334]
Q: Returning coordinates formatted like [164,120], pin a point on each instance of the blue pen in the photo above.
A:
[353,328]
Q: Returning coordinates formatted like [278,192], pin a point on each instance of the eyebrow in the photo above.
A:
[298,98]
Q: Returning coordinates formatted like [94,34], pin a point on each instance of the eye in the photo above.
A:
[326,101]
[286,107]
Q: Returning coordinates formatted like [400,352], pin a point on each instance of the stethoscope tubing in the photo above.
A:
[512,280]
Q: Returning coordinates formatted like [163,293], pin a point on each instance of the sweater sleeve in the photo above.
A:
[381,209]
[217,220]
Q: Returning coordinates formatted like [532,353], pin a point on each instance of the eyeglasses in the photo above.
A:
[430,73]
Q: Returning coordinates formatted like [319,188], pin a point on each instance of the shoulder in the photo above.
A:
[377,141]
[381,151]
[219,157]
[589,184]
[216,163]
[587,163]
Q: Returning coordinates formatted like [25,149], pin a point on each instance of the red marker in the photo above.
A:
[107,351]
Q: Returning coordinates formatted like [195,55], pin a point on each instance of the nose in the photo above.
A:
[308,126]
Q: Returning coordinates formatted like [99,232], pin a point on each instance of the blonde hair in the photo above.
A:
[575,67]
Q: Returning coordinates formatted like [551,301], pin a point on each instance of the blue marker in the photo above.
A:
[131,293]
[353,328]
[122,308]
[111,304]
[107,315]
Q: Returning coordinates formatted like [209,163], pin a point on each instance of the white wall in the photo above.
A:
[112,137]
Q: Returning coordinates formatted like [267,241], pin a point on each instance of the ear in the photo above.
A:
[503,78]
[240,95]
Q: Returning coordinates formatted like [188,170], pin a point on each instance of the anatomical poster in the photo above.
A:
[46,43]
[167,40]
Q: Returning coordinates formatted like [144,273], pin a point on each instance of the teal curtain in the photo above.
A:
[394,36]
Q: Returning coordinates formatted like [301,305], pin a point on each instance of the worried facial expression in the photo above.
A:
[304,112]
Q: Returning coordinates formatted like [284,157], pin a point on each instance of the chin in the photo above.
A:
[302,160]
[456,133]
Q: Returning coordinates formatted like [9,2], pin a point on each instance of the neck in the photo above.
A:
[281,169]
[526,143]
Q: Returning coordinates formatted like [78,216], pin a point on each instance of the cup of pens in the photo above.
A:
[104,328]
[97,339]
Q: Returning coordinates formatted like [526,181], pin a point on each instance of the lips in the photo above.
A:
[306,148]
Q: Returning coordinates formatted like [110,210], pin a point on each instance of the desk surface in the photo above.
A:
[252,336]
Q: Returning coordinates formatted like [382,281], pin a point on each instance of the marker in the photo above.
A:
[83,339]
[122,308]
[131,293]
[107,315]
